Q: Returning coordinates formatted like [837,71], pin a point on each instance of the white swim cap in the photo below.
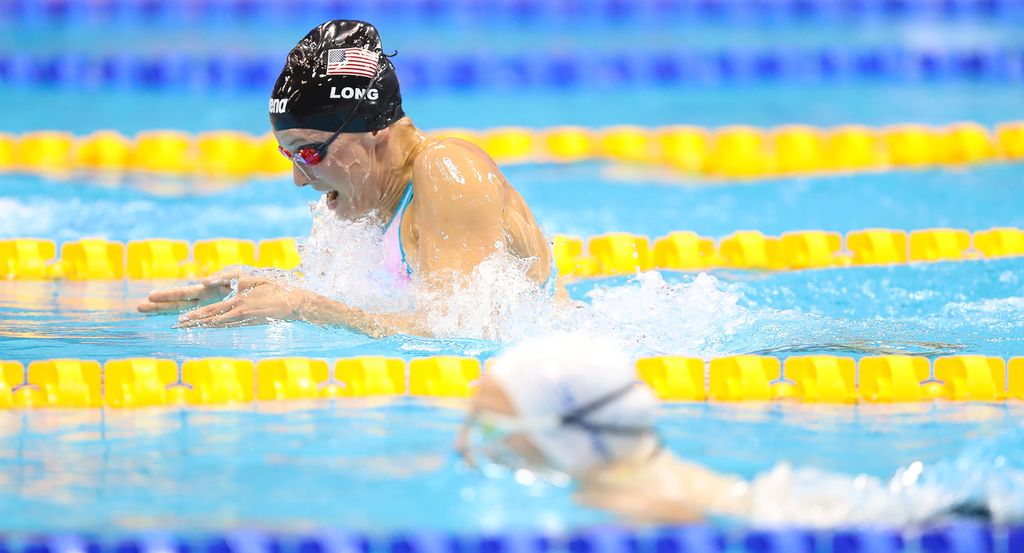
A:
[566,374]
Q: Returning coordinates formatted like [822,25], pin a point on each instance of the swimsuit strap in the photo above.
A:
[393,251]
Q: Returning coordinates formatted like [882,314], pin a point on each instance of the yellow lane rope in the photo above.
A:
[602,255]
[145,382]
[736,152]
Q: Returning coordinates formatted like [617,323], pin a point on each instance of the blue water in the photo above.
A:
[389,465]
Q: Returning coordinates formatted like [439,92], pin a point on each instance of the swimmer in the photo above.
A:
[569,409]
[336,111]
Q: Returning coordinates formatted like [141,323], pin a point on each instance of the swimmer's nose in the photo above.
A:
[299,177]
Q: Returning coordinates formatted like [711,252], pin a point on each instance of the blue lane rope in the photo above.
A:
[530,70]
[721,11]
[956,537]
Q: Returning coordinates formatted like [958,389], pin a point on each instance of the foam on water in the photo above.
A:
[987,475]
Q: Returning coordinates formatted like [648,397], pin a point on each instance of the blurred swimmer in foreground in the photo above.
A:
[569,409]
[336,111]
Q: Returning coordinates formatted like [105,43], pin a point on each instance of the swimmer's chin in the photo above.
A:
[331,200]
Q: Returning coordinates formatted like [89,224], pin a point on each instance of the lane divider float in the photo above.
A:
[600,256]
[721,12]
[733,152]
[556,70]
[146,382]
[958,536]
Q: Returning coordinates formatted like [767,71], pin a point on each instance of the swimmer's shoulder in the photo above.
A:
[455,162]
[453,153]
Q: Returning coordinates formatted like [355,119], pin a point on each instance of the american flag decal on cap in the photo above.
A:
[352,61]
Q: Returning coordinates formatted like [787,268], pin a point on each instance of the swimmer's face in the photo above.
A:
[491,398]
[345,174]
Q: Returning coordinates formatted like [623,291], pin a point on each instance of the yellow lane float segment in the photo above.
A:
[738,152]
[620,253]
[218,380]
[268,159]
[157,258]
[507,144]
[823,378]
[673,378]
[281,253]
[810,249]
[877,246]
[798,149]
[92,259]
[26,258]
[750,249]
[743,378]
[103,150]
[682,250]
[12,374]
[893,378]
[625,143]
[226,154]
[851,148]
[911,145]
[44,151]
[164,152]
[999,242]
[67,382]
[290,378]
[965,143]
[213,255]
[7,145]
[568,144]
[1015,382]
[1010,138]
[941,244]
[138,382]
[371,376]
[972,377]
[683,147]
[443,376]
[567,250]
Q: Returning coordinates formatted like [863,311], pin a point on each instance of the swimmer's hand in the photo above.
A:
[180,298]
[258,300]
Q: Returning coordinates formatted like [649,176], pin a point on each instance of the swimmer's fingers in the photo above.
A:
[236,316]
[165,306]
[203,315]
[192,292]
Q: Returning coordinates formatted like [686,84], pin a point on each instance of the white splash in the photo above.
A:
[344,260]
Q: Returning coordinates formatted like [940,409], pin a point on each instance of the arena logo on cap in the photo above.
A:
[278,105]
[352,93]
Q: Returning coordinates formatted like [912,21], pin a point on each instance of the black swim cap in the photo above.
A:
[326,77]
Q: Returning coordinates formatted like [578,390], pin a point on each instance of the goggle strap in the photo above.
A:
[577,415]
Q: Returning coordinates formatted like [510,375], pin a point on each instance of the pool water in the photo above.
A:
[389,464]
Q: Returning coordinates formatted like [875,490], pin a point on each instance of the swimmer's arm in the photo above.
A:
[260,300]
[640,506]
[459,206]
[317,309]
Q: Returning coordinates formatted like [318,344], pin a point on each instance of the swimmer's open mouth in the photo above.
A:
[332,199]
